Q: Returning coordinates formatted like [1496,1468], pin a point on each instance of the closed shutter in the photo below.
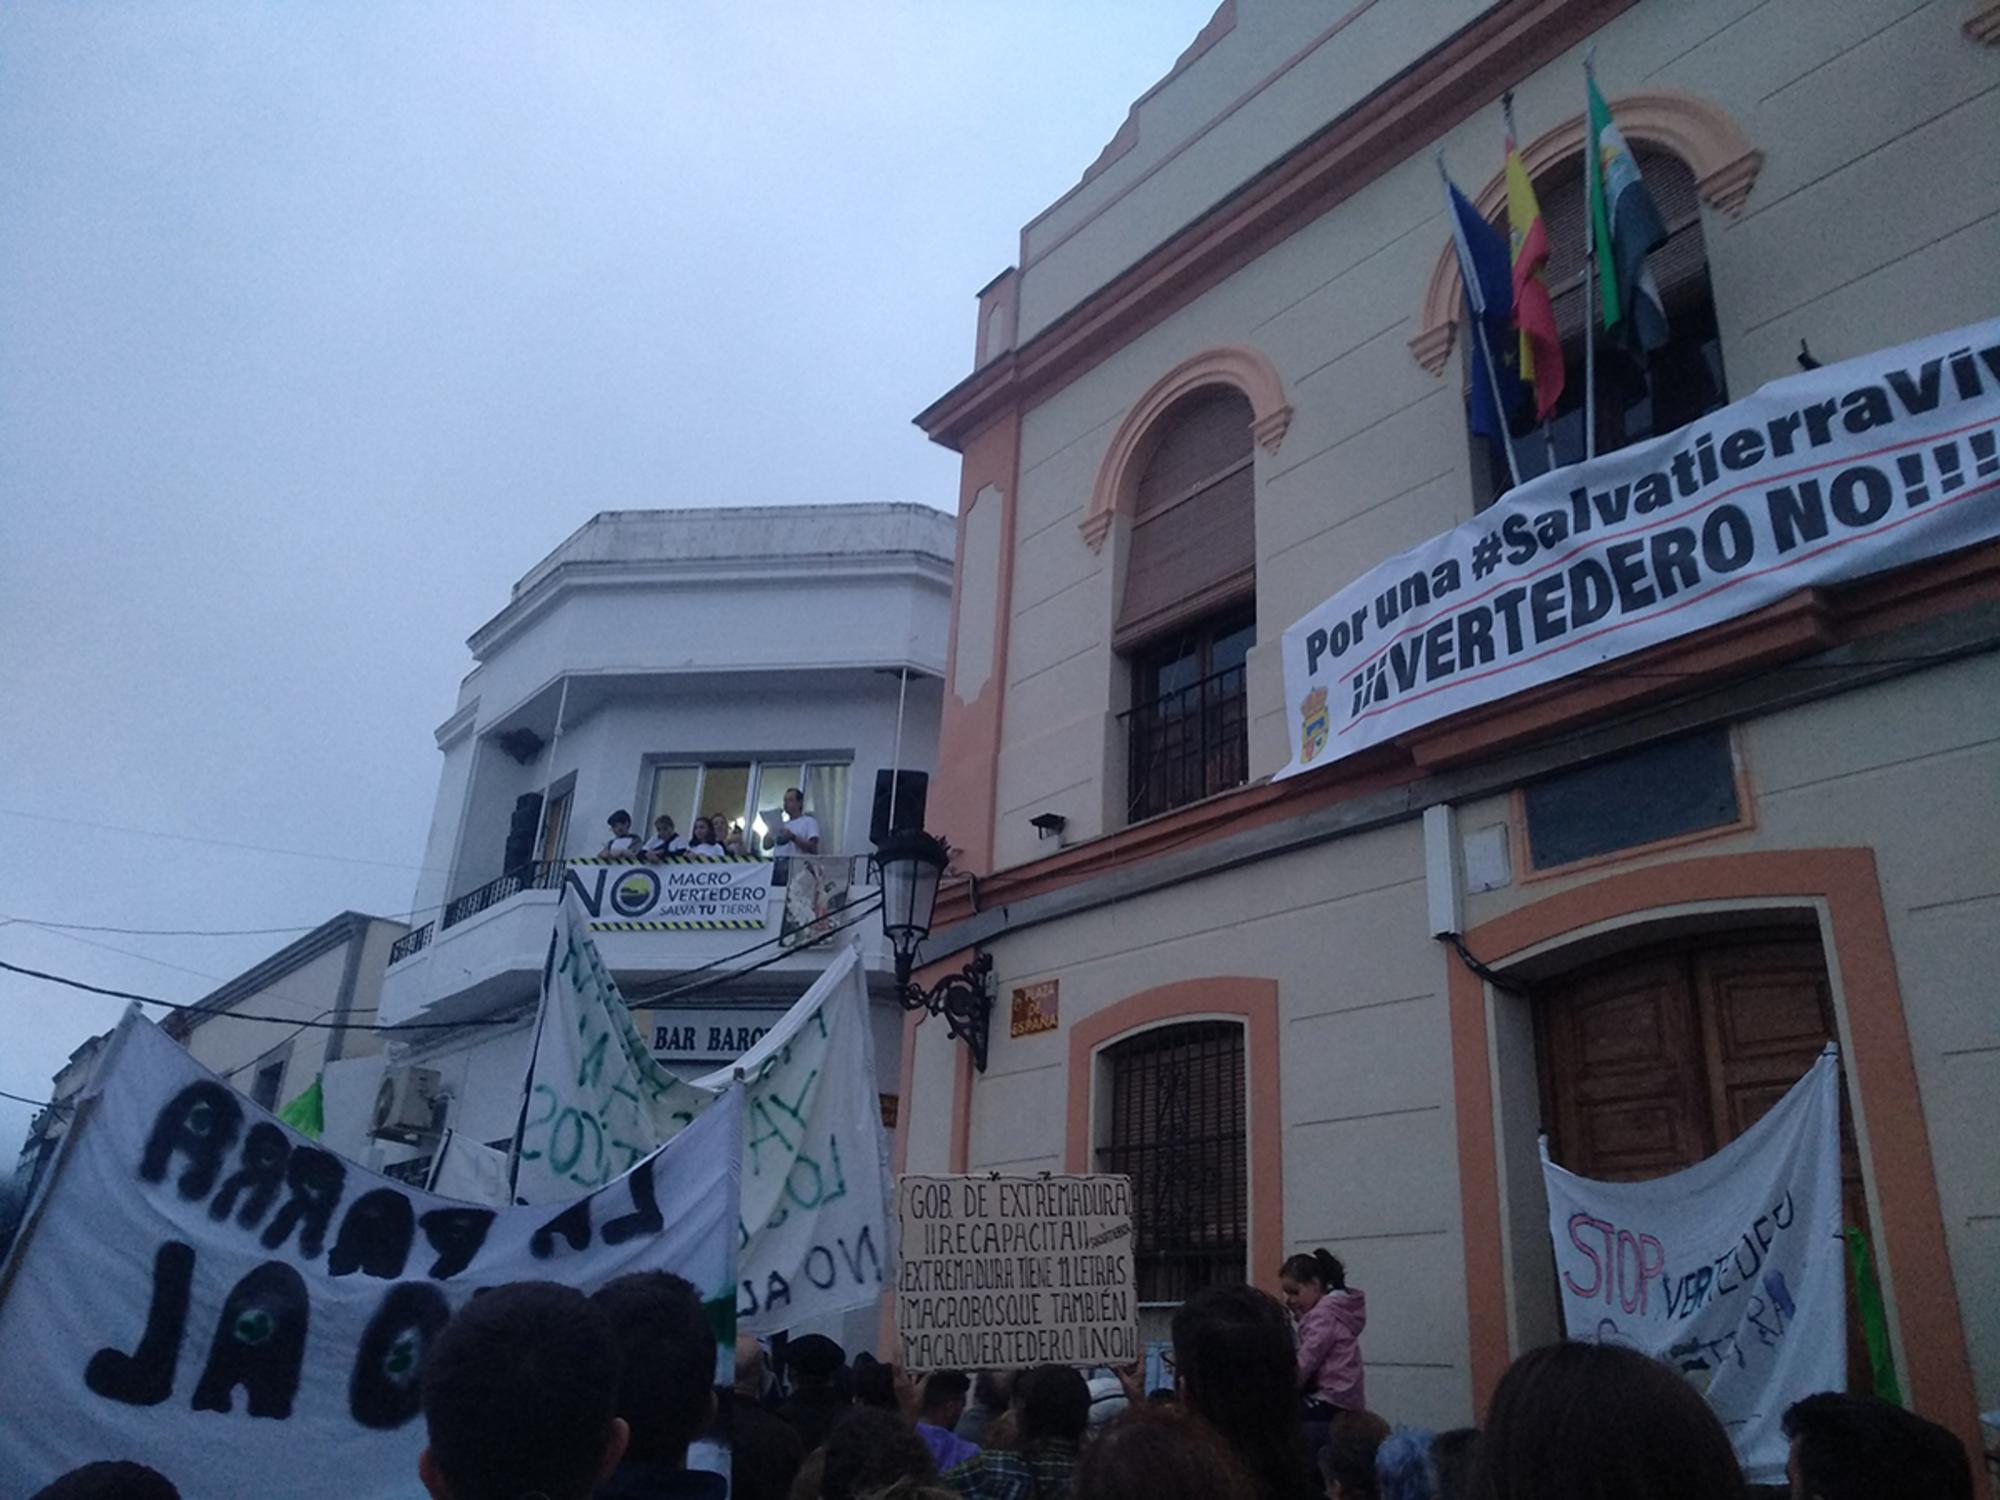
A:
[1194,545]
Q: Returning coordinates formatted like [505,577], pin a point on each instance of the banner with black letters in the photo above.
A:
[204,1290]
[1822,477]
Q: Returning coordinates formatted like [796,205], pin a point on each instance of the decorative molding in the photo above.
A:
[1699,132]
[1237,366]
[1984,24]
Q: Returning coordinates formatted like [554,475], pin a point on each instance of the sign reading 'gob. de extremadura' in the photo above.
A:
[998,1272]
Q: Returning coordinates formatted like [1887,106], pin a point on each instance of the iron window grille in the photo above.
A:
[1188,744]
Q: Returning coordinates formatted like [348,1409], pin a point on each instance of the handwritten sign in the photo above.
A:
[999,1272]
[1034,1008]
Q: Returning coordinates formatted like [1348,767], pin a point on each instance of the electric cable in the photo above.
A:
[37,1103]
[190,838]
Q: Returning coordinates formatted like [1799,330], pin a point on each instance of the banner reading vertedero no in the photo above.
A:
[207,1291]
[1818,478]
[1731,1271]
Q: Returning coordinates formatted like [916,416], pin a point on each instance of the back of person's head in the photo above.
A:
[520,1396]
[1846,1447]
[1054,1402]
[993,1389]
[874,1383]
[1348,1461]
[110,1479]
[1234,1358]
[1403,1469]
[667,1392]
[1452,1454]
[814,1360]
[868,1450]
[1322,1266]
[944,1395]
[1160,1453]
[1581,1421]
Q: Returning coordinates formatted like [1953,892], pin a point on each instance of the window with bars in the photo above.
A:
[1177,1128]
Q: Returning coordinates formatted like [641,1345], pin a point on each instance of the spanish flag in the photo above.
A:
[1534,314]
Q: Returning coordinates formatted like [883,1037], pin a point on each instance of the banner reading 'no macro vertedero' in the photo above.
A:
[1822,477]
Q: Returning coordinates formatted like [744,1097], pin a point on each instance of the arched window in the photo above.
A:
[1187,617]
[1176,1125]
[1637,397]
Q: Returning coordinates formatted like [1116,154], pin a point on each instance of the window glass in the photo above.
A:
[773,777]
[1659,792]
[555,823]
[725,793]
[270,1079]
[674,789]
[825,787]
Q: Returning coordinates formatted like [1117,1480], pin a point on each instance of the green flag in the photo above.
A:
[1625,228]
[307,1112]
[1874,1317]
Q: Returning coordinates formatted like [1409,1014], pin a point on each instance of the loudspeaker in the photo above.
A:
[521,831]
[912,789]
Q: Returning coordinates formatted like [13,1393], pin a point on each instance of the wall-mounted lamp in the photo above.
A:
[910,865]
[1049,825]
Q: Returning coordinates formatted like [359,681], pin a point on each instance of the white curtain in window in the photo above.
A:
[826,799]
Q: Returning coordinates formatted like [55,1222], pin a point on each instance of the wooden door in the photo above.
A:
[1657,1059]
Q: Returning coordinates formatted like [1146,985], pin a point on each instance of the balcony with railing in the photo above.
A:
[485,950]
[1187,744]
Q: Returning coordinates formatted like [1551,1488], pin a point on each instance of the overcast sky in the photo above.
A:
[320,324]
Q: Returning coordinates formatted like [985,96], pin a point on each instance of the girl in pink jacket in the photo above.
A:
[1330,1317]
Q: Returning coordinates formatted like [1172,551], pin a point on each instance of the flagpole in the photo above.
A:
[1476,295]
[1507,113]
[1590,165]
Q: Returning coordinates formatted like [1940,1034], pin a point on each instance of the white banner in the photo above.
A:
[1818,478]
[1731,1271]
[815,1182]
[683,893]
[207,1291]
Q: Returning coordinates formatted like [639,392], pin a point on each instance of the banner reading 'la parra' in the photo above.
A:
[1822,477]
[1731,1271]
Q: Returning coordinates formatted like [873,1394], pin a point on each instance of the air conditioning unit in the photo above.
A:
[406,1105]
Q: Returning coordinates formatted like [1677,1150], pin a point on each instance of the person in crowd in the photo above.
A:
[1330,1316]
[869,1450]
[110,1479]
[875,1383]
[1052,1403]
[990,1393]
[1451,1455]
[663,842]
[667,1392]
[623,840]
[815,1364]
[1150,1452]
[939,1407]
[1847,1447]
[1347,1462]
[721,829]
[737,849]
[765,1452]
[1403,1467]
[703,839]
[798,831]
[520,1396]
[1576,1421]
[1234,1365]
[1111,1391]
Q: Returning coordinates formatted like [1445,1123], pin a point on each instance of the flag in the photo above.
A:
[1534,314]
[1626,228]
[1489,302]
[307,1112]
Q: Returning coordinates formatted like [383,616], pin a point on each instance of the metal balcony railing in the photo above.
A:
[1187,745]
[542,875]
[412,942]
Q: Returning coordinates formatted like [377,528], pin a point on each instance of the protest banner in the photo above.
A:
[815,1181]
[999,1272]
[205,1290]
[683,893]
[1819,478]
[1730,1271]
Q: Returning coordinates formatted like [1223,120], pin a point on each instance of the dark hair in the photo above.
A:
[1862,1445]
[110,1479]
[1233,1348]
[1348,1460]
[519,1391]
[869,1450]
[1452,1454]
[1160,1453]
[621,816]
[1055,1403]
[1322,1266]
[1580,1421]
[942,1387]
[669,1350]
[874,1383]
[993,1389]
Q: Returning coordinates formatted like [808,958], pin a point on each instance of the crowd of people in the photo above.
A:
[715,836]
[536,1390]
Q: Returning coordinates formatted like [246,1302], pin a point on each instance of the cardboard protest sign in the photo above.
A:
[1821,477]
[1730,1271]
[682,893]
[814,1173]
[206,1291]
[998,1272]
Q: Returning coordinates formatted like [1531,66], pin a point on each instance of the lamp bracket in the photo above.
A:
[964,999]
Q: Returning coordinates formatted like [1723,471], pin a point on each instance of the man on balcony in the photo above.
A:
[798,831]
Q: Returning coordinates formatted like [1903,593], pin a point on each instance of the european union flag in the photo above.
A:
[1485,265]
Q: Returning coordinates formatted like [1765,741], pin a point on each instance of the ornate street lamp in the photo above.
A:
[910,864]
